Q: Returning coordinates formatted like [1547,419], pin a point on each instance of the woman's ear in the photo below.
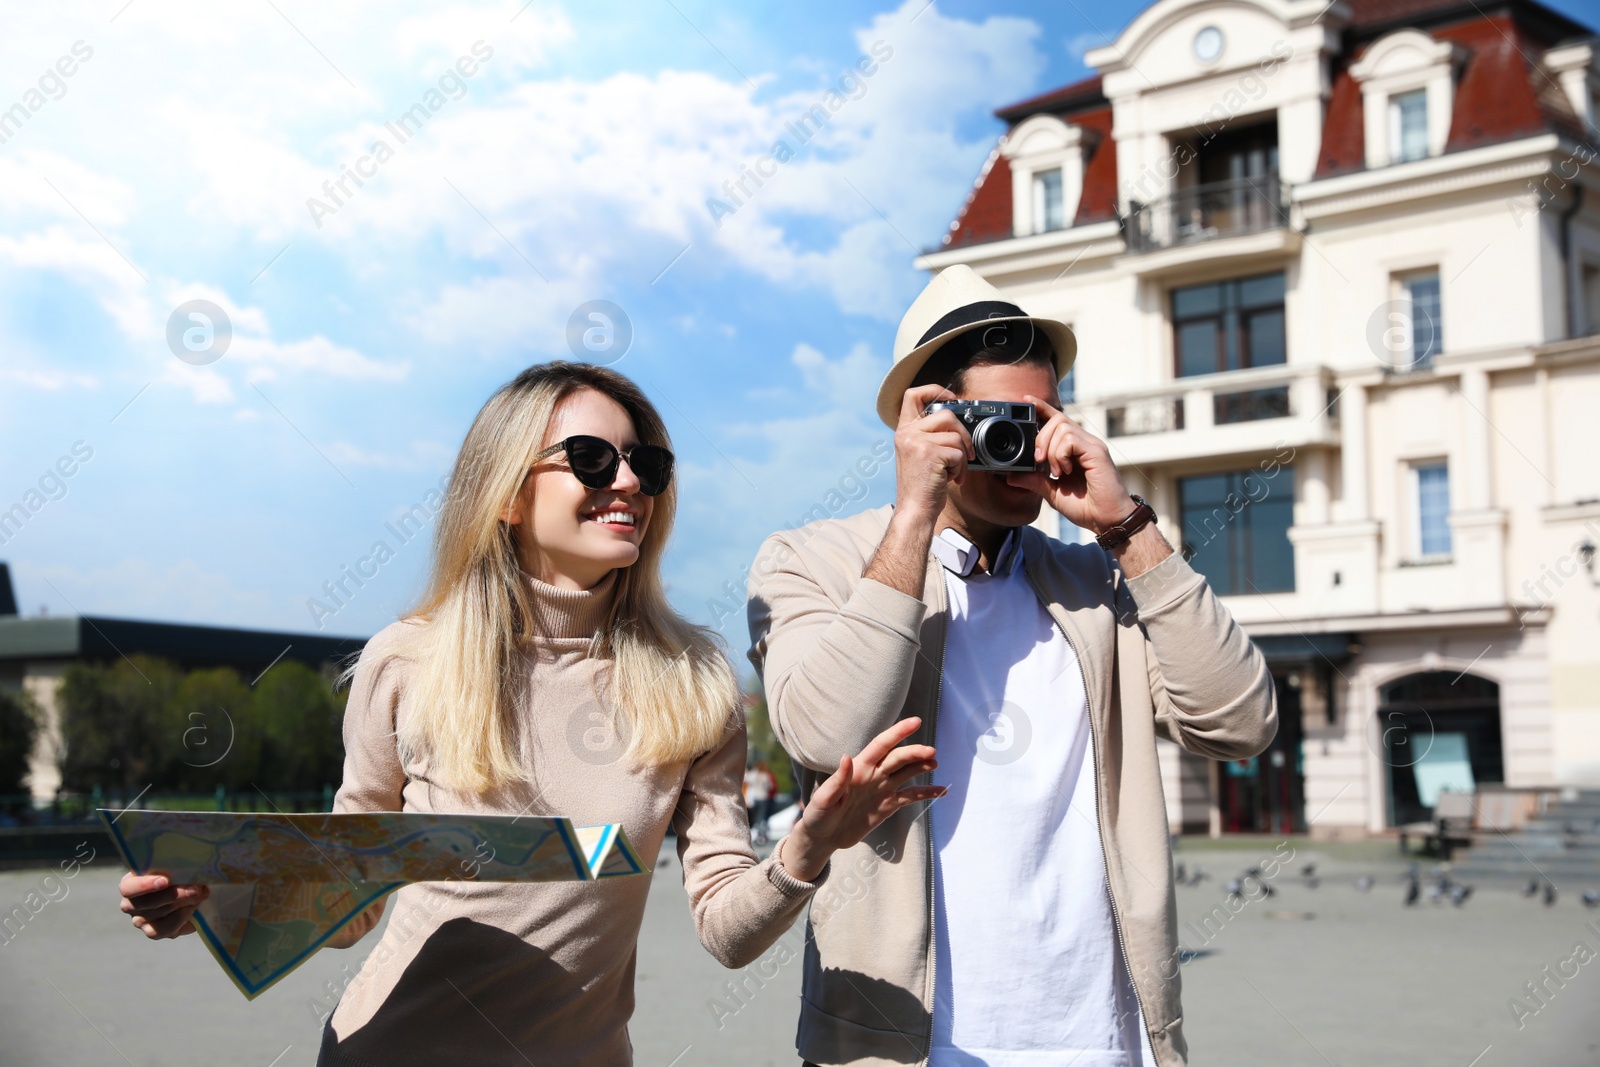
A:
[520,504]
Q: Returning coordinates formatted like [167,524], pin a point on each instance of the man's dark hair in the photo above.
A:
[986,346]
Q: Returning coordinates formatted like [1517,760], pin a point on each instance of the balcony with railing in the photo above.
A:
[1258,409]
[1209,212]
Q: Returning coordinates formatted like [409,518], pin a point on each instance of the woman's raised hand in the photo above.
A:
[159,908]
[863,792]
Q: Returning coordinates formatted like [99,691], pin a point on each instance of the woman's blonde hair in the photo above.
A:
[668,678]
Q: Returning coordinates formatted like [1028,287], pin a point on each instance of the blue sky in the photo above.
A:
[575,163]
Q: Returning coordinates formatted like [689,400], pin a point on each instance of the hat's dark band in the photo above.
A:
[969,314]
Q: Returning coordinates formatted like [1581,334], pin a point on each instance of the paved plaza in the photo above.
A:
[1315,976]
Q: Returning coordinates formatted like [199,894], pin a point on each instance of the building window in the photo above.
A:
[1408,126]
[1408,87]
[1228,325]
[1048,207]
[1433,509]
[1427,333]
[1236,529]
[1591,298]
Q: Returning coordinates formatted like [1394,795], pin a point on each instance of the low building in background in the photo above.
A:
[36,651]
[1334,270]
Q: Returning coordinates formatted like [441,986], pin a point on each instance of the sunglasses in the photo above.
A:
[594,462]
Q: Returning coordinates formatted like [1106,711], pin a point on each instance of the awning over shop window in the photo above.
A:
[1305,648]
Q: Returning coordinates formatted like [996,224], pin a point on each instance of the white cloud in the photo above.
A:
[51,184]
[581,177]
[311,354]
[263,357]
[136,588]
[1082,44]
[848,383]
[48,380]
[201,175]
[493,314]
[830,454]
[416,456]
[205,384]
[448,32]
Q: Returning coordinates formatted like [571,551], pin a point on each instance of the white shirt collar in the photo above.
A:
[959,556]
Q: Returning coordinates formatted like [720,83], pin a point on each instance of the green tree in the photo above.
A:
[300,717]
[210,733]
[19,726]
[764,742]
[115,724]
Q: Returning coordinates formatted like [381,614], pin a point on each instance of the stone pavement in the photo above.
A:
[1362,981]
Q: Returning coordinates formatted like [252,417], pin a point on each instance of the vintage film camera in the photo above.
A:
[1003,433]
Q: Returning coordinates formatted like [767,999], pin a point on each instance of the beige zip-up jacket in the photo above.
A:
[842,657]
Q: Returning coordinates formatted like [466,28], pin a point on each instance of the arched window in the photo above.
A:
[1438,730]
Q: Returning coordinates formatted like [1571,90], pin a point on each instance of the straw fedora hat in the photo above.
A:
[955,302]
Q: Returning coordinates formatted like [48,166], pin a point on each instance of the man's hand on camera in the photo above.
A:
[930,452]
[1076,476]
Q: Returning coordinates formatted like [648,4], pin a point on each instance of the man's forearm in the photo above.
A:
[901,559]
[1143,550]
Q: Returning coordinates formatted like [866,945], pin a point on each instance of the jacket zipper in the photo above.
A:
[1100,828]
[933,737]
[1105,864]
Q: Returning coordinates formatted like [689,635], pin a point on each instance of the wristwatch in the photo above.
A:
[1142,514]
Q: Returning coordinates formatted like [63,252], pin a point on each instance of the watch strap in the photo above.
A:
[1143,514]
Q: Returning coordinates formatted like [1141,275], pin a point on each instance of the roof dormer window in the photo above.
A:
[1408,85]
[1046,157]
[1047,203]
[1408,126]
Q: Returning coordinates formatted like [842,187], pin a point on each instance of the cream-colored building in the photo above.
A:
[1335,274]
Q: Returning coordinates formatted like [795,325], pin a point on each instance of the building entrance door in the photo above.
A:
[1437,731]
[1266,793]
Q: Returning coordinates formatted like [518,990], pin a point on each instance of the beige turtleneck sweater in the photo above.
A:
[488,973]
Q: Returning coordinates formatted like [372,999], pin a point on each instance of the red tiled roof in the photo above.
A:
[1064,99]
[1495,97]
[986,216]
[1099,200]
[1501,95]
[1371,17]
[1369,13]
[1344,139]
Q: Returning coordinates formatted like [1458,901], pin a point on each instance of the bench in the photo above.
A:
[1452,824]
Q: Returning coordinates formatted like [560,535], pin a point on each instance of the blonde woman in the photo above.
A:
[544,672]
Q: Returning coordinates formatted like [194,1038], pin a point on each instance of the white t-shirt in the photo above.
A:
[1028,971]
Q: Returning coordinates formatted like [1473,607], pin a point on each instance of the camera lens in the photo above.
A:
[1000,442]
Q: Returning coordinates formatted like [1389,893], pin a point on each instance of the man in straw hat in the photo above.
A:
[1027,917]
